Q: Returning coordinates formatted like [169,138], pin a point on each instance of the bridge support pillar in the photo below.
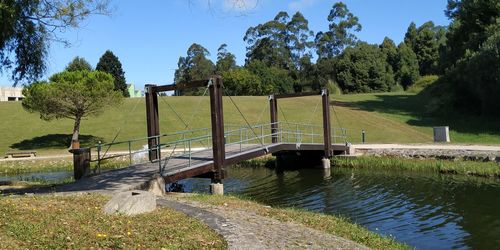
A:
[325,162]
[217,119]
[273,107]
[152,121]
[327,134]
[217,189]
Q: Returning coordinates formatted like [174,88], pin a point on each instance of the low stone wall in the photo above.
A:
[443,154]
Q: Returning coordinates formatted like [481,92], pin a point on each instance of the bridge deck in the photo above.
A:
[201,162]
[178,168]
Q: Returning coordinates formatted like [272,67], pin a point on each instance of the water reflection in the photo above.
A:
[424,210]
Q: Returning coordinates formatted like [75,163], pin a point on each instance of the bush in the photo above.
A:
[422,83]
[333,88]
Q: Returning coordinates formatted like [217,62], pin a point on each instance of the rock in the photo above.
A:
[131,203]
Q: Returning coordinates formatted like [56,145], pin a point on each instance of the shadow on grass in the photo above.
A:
[55,141]
[415,108]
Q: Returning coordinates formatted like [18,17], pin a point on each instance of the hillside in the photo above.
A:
[386,118]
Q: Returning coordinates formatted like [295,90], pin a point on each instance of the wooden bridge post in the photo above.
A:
[217,120]
[326,123]
[273,106]
[152,121]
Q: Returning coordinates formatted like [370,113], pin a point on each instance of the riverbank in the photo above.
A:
[459,167]
[49,221]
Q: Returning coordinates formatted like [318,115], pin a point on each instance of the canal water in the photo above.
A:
[427,211]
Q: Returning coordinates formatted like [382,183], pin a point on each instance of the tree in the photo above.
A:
[73,95]
[340,33]
[78,63]
[390,50]
[243,82]
[406,71]
[226,61]
[28,27]
[472,60]
[427,49]
[299,40]
[363,68]
[273,79]
[411,36]
[268,42]
[194,66]
[109,63]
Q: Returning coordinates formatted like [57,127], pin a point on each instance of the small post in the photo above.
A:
[81,162]
[363,134]
[158,150]
[241,138]
[189,143]
[99,156]
[130,153]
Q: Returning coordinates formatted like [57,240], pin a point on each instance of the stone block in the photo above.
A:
[131,203]
[217,188]
[156,186]
[441,134]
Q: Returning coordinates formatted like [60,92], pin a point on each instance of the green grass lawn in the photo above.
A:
[386,118]
[78,222]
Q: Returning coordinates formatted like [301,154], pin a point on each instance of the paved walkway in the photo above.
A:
[244,229]
[428,147]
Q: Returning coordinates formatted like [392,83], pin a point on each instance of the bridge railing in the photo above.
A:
[136,151]
[190,143]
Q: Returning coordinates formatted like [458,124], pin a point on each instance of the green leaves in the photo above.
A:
[109,63]
[71,94]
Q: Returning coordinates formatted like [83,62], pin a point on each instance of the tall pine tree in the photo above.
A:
[109,63]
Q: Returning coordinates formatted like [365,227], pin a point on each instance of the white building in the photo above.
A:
[11,94]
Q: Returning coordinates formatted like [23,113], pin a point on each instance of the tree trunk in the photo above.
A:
[76,130]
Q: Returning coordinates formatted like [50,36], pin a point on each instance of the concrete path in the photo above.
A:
[244,229]
[427,147]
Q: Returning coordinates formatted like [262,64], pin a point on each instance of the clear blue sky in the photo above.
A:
[149,36]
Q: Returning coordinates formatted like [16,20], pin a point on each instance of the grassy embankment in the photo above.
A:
[471,168]
[393,120]
[50,222]
[327,223]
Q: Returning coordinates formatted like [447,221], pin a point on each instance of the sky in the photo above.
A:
[149,36]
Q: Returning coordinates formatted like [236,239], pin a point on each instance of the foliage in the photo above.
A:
[422,83]
[273,79]
[243,82]
[195,66]
[79,63]
[225,60]
[484,169]
[28,27]
[340,32]
[426,48]
[363,69]
[472,61]
[110,63]
[281,42]
[73,95]
[406,71]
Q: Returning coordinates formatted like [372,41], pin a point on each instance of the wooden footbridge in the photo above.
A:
[206,152]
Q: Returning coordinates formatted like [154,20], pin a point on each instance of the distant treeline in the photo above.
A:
[279,58]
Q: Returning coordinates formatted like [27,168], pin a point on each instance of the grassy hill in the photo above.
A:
[387,118]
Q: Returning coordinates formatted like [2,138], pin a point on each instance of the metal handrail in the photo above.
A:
[291,132]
